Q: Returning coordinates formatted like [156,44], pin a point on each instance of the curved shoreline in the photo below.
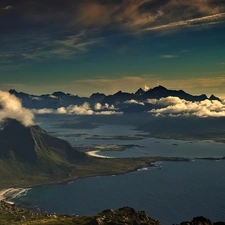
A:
[94,154]
[9,193]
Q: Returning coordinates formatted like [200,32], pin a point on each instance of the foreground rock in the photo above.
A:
[124,215]
[200,220]
[11,214]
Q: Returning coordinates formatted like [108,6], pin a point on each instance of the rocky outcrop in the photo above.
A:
[125,215]
[200,220]
[15,215]
[11,214]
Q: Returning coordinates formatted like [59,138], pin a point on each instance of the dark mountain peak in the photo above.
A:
[16,142]
[213,97]
[11,124]
[202,97]
[20,95]
[117,98]
[181,91]
[121,93]
[157,92]
[97,95]
[118,93]
[139,92]
[13,91]
[59,94]
[159,88]
[33,144]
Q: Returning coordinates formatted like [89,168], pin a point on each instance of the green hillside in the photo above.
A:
[29,156]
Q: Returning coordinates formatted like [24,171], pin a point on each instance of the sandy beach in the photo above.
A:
[11,193]
[94,154]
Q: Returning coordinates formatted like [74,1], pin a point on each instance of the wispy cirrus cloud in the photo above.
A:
[126,14]
[41,47]
[168,56]
[65,47]
[81,19]
[149,15]
[8,8]
[189,22]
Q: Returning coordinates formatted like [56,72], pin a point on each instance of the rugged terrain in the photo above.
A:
[11,214]
[29,156]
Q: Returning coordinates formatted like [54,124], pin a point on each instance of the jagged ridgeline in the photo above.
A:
[31,153]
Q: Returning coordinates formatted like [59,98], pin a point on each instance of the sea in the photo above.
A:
[171,193]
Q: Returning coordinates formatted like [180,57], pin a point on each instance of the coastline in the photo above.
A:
[94,154]
[7,194]
[184,138]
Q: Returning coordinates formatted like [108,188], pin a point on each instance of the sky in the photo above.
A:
[87,46]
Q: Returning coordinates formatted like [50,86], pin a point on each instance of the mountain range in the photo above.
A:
[61,99]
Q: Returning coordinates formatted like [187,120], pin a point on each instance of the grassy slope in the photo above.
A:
[45,159]
[16,174]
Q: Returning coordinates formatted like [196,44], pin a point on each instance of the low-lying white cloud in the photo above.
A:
[80,110]
[174,106]
[99,106]
[83,109]
[146,88]
[108,113]
[168,56]
[132,101]
[11,107]
[43,111]
[169,106]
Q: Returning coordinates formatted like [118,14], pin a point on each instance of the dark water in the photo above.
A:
[178,192]
[149,146]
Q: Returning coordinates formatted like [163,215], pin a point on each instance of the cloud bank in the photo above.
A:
[174,106]
[84,109]
[132,101]
[11,107]
[169,106]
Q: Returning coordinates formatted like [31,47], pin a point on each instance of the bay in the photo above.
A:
[178,192]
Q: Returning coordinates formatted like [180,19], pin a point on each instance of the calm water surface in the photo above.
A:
[177,192]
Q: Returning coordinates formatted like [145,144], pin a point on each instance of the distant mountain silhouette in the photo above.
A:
[139,92]
[118,98]
[161,92]
[59,94]
[61,99]
[154,93]
[213,97]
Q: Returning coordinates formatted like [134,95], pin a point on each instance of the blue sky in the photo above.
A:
[90,46]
